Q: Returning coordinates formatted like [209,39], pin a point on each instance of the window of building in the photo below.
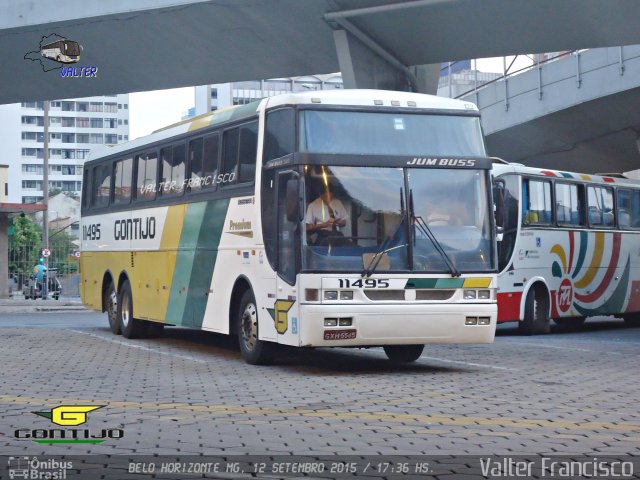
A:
[101,185]
[172,171]
[147,176]
[568,204]
[122,175]
[628,208]
[600,206]
[29,135]
[536,202]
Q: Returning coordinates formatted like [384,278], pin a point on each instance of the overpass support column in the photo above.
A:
[365,64]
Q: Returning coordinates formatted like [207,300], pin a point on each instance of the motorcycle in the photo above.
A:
[32,289]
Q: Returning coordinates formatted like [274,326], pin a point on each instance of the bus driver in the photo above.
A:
[325,216]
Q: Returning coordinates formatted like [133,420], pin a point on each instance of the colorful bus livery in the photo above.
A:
[300,220]
[569,248]
[62,51]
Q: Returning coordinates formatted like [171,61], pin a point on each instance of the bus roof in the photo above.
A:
[500,168]
[356,98]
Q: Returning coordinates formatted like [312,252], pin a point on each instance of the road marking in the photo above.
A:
[141,347]
[472,364]
[573,349]
[326,415]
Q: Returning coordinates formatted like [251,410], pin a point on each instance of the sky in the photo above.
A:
[149,111]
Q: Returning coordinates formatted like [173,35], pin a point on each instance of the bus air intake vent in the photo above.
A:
[434,294]
[384,295]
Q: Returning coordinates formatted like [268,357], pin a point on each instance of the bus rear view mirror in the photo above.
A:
[498,200]
[293,200]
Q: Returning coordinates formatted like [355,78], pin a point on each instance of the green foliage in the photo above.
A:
[24,245]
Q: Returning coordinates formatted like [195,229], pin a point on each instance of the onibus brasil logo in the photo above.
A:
[69,416]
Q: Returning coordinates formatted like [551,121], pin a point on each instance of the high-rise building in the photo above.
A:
[220,95]
[75,126]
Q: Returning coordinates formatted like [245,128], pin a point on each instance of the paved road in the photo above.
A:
[189,392]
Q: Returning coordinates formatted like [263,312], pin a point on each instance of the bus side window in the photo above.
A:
[600,203]
[628,208]
[536,201]
[101,185]
[172,170]
[280,134]
[122,173]
[229,169]
[247,152]
[147,176]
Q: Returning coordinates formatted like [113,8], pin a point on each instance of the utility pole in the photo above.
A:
[45,195]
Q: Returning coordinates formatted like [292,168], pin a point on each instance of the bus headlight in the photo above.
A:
[484,294]
[331,295]
[469,295]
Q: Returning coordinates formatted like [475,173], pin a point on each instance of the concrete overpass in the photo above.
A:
[580,113]
[153,44]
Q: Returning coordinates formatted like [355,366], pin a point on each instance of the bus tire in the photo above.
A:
[130,327]
[111,307]
[253,351]
[403,353]
[536,314]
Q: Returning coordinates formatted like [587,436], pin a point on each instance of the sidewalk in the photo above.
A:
[18,304]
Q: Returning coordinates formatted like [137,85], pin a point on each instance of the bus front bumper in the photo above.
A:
[396,324]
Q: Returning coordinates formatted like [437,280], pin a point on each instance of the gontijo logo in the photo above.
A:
[69,416]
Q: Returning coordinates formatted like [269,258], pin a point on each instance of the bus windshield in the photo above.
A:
[390,134]
[356,214]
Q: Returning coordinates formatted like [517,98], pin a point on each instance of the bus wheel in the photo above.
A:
[111,306]
[253,351]
[403,353]
[130,327]
[536,310]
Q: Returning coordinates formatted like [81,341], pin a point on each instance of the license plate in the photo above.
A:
[340,334]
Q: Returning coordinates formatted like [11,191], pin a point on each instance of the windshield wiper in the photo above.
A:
[375,260]
[419,222]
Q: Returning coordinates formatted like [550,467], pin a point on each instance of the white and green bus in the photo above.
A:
[350,218]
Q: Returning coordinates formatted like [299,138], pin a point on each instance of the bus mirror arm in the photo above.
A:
[294,200]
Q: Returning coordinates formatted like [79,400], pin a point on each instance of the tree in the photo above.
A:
[24,246]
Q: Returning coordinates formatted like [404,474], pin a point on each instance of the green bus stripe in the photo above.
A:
[205,258]
[435,283]
[176,313]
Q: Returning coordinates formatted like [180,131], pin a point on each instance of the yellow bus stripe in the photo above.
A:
[477,282]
